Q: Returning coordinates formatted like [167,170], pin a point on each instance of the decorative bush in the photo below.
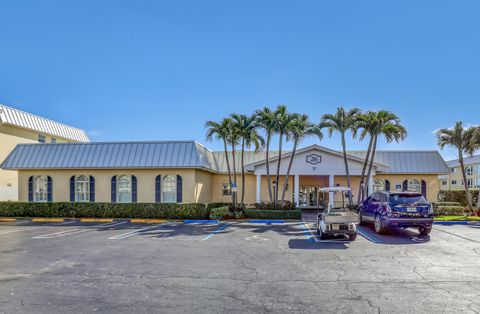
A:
[287,205]
[215,205]
[458,196]
[105,210]
[449,211]
[220,213]
[273,214]
[448,204]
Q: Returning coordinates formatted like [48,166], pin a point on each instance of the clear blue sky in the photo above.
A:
[148,70]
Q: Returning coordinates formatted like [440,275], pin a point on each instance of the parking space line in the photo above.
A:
[456,235]
[308,234]
[76,231]
[132,233]
[38,227]
[369,237]
[216,231]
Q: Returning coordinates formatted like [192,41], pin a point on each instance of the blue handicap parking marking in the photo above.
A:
[216,231]
[449,223]
[307,233]
[370,237]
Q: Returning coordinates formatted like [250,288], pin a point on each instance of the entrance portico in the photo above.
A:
[312,168]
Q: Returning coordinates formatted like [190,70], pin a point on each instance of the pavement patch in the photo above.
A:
[37,227]
[77,230]
[201,221]
[266,221]
[368,236]
[132,233]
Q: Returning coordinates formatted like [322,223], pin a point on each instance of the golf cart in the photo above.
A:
[335,221]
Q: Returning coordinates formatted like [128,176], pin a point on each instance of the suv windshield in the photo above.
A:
[407,199]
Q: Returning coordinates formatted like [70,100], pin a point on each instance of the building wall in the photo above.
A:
[430,179]
[145,184]
[10,136]
[454,180]
[203,186]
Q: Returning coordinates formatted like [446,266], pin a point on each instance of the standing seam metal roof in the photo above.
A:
[22,119]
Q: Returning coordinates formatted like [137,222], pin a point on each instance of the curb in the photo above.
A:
[456,222]
[41,219]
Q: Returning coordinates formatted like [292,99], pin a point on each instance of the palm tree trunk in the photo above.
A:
[361,190]
[277,177]
[285,184]
[465,182]
[228,166]
[347,171]
[243,173]
[234,177]
[269,137]
[372,160]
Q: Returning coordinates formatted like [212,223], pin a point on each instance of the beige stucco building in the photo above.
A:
[186,171]
[18,127]
[454,179]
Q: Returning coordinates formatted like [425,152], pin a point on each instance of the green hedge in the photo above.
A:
[105,210]
[273,214]
[458,196]
[448,204]
[449,211]
[220,213]
[287,205]
[217,205]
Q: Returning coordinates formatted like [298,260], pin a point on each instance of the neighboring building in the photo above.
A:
[186,171]
[454,179]
[17,127]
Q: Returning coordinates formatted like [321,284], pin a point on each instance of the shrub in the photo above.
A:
[287,205]
[449,211]
[215,205]
[220,213]
[273,214]
[457,196]
[105,210]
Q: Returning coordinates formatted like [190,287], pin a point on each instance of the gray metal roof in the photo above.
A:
[184,154]
[470,160]
[408,161]
[18,118]
[171,154]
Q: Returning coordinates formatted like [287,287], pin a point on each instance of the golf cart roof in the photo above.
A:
[335,189]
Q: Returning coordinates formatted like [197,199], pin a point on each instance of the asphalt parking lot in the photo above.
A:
[176,267]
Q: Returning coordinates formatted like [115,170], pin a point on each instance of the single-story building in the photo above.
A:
[186,171]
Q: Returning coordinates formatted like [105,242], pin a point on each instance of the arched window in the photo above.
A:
[41,189]
[414,185]
[124,189]
[378,185]
[169,189]
[82,188]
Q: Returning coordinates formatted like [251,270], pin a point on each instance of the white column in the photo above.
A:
[370,185]
[296,190]
[331,195]
[259,188]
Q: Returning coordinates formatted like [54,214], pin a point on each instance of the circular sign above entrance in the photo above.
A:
[314,159]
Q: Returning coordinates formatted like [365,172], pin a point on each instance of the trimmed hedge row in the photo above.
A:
[448,204]
[273,214]
[105,210]
[458,196]
[449,211]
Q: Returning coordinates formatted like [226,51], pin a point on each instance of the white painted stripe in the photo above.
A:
[39,227]
[132,233]
[78,230]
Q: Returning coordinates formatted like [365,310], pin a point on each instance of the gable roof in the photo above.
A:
[428,162]
[25,120]
[167,154]
[469,160]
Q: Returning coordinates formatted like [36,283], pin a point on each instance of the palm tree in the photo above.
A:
[221,131]
[388,125]
[367,123]
[342,121]
[283,121]
[459,138]
[300,128]
[473,145]
[246,129]
[265,119]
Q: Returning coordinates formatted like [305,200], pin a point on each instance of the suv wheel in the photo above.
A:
[424,230]
[379,225]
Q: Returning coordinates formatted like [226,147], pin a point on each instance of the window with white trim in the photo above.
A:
[42,138]
[169,189]
[414,185]
[53,140]
[124,189]
[378,185]
[82,188]
[40,189]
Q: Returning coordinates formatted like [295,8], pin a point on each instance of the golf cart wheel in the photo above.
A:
[352,237]
[380,227]
[424,230]
[322,235]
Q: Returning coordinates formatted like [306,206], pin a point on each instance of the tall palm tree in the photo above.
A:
[388,125]
[463,140]
[367,123]
[246,129]
[283,121]
[221,131]
[265,119]
[342,121]
[300,128]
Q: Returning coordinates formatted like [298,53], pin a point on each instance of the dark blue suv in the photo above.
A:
[388,210]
